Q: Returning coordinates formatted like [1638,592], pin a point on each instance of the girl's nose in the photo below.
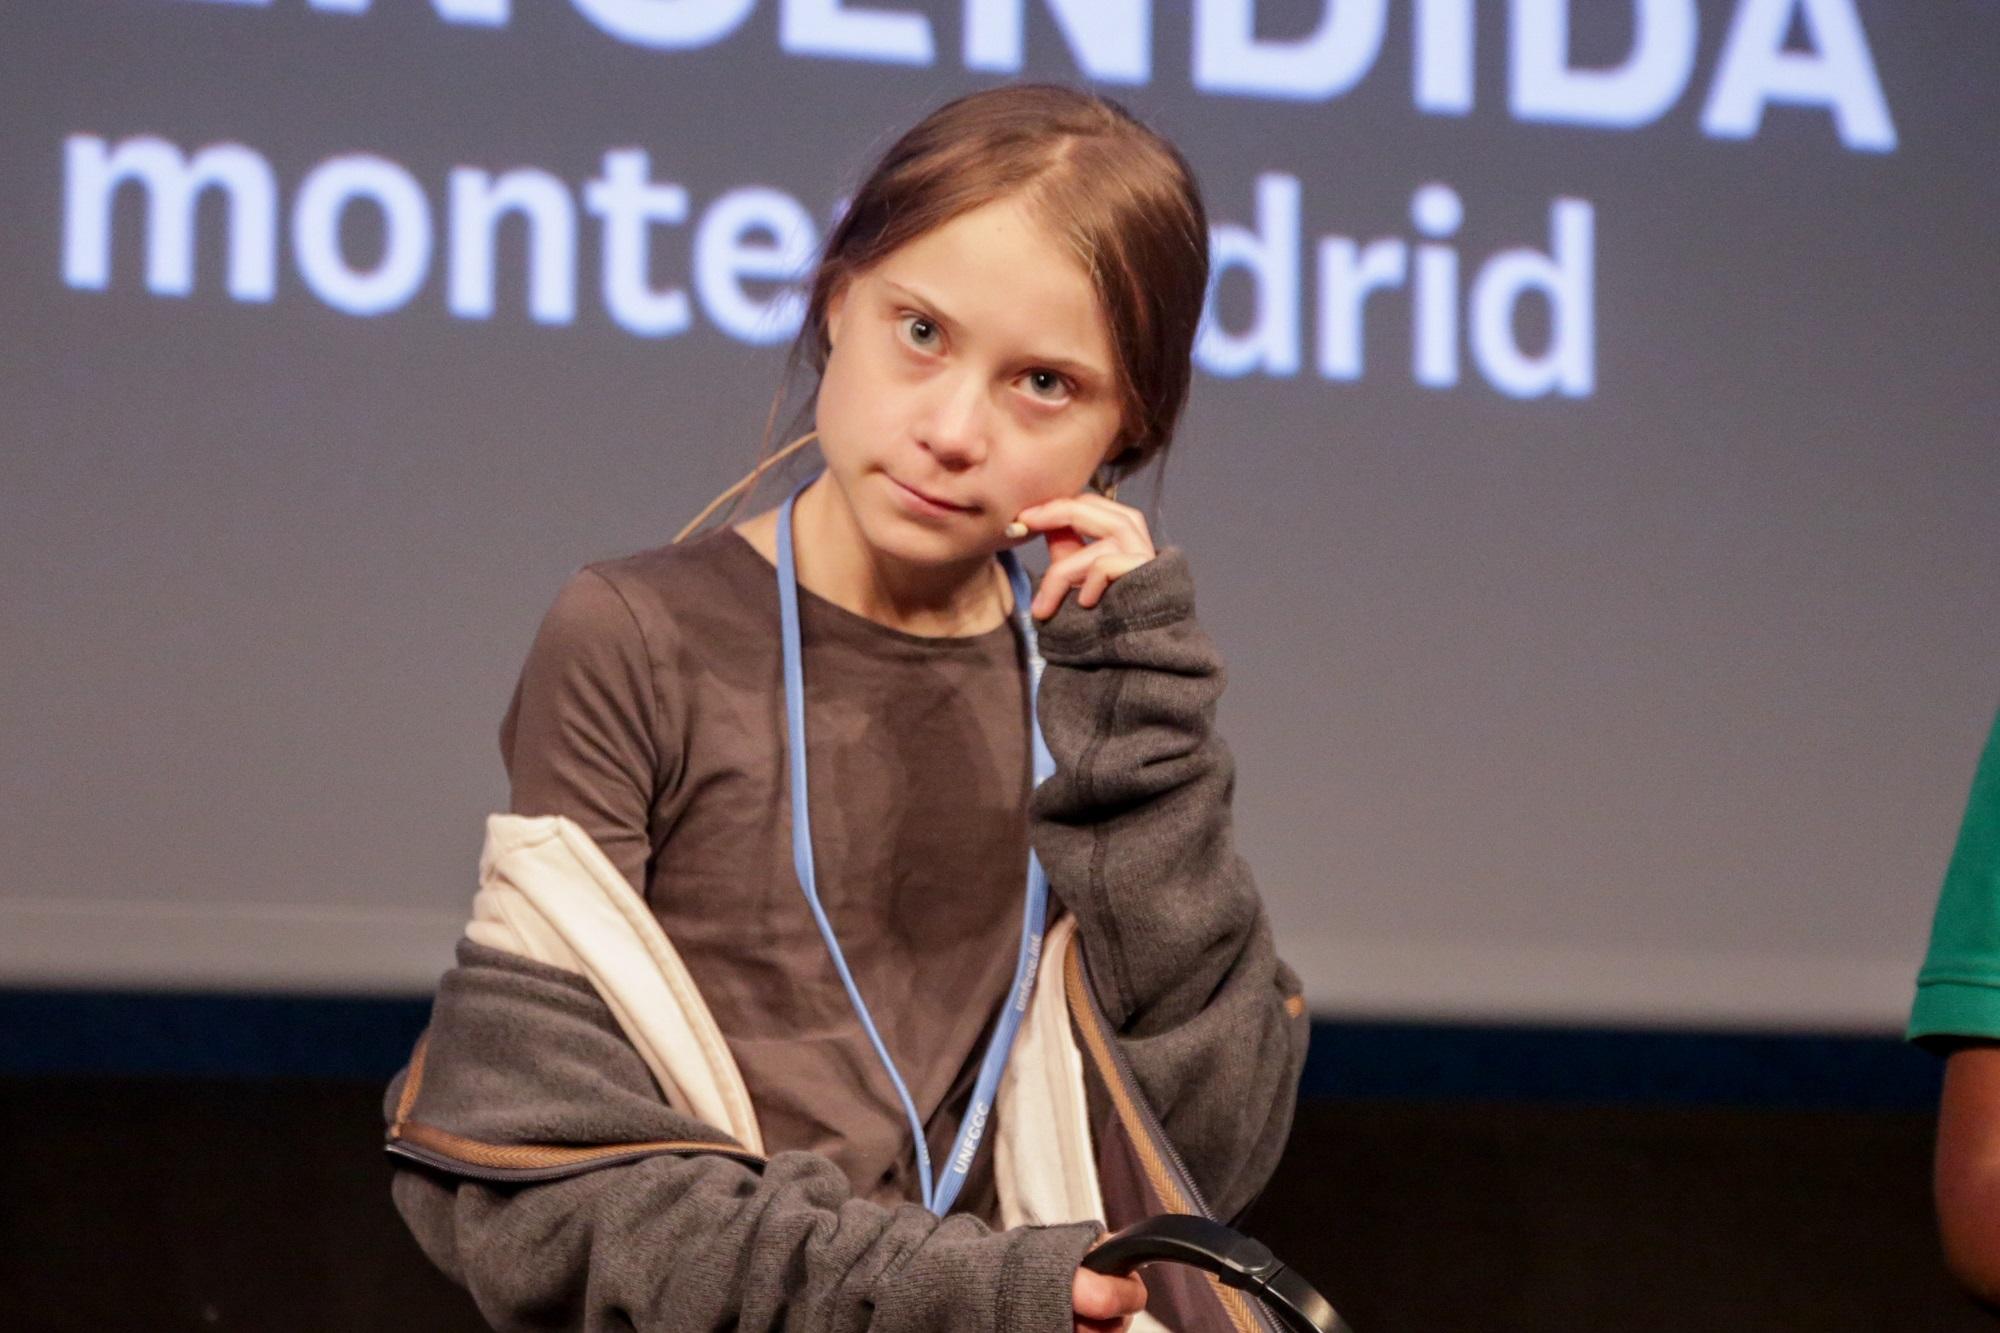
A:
[955,428]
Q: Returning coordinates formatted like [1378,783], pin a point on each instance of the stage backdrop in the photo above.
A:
[1593,479]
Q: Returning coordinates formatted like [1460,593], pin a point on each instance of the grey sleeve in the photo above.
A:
[683,1243]
[582,733]
[1134,830]
[521,1053]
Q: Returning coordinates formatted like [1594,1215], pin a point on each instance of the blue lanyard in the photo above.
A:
[978,1114]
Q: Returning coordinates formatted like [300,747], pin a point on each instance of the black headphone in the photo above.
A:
[1235,1260]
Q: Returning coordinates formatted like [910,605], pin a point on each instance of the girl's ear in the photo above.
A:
[1105,480]
[1126,455]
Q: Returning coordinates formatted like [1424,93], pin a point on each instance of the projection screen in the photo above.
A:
[1591,477]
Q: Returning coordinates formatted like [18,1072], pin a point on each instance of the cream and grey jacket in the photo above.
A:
[578,1150]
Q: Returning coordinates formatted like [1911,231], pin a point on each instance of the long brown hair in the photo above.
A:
[1121,196]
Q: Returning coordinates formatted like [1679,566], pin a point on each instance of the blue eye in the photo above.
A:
[1047,385]
[920,331]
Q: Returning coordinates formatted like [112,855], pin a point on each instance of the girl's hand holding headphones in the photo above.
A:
[1105,1304]
[1092,542]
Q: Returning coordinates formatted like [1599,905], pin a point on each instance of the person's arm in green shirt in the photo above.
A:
[1957,1012]
[1967,1176]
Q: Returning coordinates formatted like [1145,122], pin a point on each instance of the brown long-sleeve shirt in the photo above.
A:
[651,712]
[1134,830]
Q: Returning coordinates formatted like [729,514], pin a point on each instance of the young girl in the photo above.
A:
[1001,326]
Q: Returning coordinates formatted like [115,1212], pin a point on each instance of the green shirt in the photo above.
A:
[1958,990]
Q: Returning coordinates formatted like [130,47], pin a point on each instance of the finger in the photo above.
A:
[1109,1295]
[1058,579]
[1094,583]
[1094,570]
[1112,510]
[1064,542]
[1093,516]
[1103,1296]
[1048,596]
[1074,566]
[1129,518]
[1064,574]
[1131,1296]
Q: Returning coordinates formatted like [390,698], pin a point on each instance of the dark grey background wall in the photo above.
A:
[1620,658]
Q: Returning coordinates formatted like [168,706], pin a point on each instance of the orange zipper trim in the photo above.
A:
[526,1156]
[1234,1303]
[532,1156]
[1150,1161]
[411,1081]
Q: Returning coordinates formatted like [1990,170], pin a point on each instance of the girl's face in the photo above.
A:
[971,375]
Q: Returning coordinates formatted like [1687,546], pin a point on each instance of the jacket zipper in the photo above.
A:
[526,1164]
[522,1162]
[1144,1107]
[1083,1000]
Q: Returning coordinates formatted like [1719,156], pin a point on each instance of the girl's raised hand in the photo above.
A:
[1092,542]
